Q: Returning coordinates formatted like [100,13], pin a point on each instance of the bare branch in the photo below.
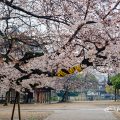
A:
[88,4]
[118,2]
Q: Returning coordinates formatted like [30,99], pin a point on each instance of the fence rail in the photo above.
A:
[10,100]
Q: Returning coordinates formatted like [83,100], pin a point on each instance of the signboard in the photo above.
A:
[64,72]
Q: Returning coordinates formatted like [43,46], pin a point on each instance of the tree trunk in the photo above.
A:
[7,98]
[65,96]
[115,94]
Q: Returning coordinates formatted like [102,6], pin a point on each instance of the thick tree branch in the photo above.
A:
[97,48]
[2,76]
[86,62]
[34,71]
[77,31]
[17,66]
[25,59]
[8,3]
[10,47]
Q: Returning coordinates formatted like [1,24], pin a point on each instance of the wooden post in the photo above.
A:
[49,96]
[17,99]
[38,95]
[14,107]
[41,96]
[18,102]
[45,96]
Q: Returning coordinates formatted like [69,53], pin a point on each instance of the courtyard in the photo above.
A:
[82,110]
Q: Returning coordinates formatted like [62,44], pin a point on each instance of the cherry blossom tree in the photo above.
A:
[65,33]
[41,37]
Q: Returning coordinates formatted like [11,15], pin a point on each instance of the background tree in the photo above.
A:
[76,82]
[109,89]
[116,84]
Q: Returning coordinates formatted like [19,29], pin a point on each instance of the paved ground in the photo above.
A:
[85,111]
[67,111]
[82,114]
